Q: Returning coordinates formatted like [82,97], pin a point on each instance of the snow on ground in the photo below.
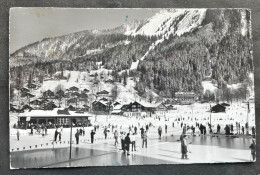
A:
[207,85]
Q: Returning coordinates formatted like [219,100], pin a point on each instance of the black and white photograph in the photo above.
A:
[130,86]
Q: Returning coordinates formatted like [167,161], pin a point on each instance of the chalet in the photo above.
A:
[99,106]
[103,99]
[170,107]
[48,94]
[36,102]
[49,106]
[32,86]
[109,81]
[27,107]
[75,94]
[85,91]
[138,109]
[83,96]
[103,93]
[118,110]
[60,93]
[160,109]
[185,97]
[57,116]
[218,108]
[27,94]
[73,89]
[71,108]
[24,90]
[72,100]
[116,103]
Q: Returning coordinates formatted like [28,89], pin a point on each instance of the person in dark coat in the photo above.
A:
[127,143]
[253,131]
[243,130]
[135,128]
[105,132]
[77,137]
[218,129]
[92,136]
[55,135]
[142,131]
[165,129]
[160,131]
[184,148]
[253,149]
[201,129]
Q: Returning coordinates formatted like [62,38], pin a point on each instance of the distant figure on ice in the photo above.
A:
[227,130]
[173,124]
[132,138]
[18,134]
[116,137]
[184,148]
[232,128]
[77,137]
[204,130]
[59,133]
[127,144]
[160,131]
[253,149]
[135,128]
[253,132]
[181,124]
[144,137]
[201,129]
[105,132]
[184,130]
[218,129]
[55,135]
[31,130]
[165,129]
[243,130]
[142,131]
[92,136]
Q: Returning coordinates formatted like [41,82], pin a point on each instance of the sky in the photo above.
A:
[28,25]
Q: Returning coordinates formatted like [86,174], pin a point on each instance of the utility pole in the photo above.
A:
[70,135]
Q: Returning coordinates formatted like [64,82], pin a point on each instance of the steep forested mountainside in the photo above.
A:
[175,50]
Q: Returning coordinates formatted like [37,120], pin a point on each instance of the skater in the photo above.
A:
[142,132]
[184,129]
[173,124]
[232,128]
[133,142]
[59,133]
[18,134]
[184,148]
[165,129]
[218,129]
[253,132]
[31,130]
[83,131]
[116,137]
[253,149]
[105,132]
[77,137]
[204,130]
[243,130]
[122,141]
[55,135]
[201,129]
[127,144]
[144,137]
[135,129]
[92,136]
[160,132]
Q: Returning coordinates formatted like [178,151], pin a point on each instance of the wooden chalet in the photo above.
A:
[48,94]
[218,108]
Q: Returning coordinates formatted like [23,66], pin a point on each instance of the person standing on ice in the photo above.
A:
[160,132]
[132,138]
[142,132]
[105,132]
[218,129]
[77,137]
[184,148]
[135,129]
[116,137]
[18,134]
[184,129]
[243,130]
[165,129]
[144,137]
[92,134]
[253,149]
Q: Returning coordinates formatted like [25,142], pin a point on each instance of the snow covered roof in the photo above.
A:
[53,113]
